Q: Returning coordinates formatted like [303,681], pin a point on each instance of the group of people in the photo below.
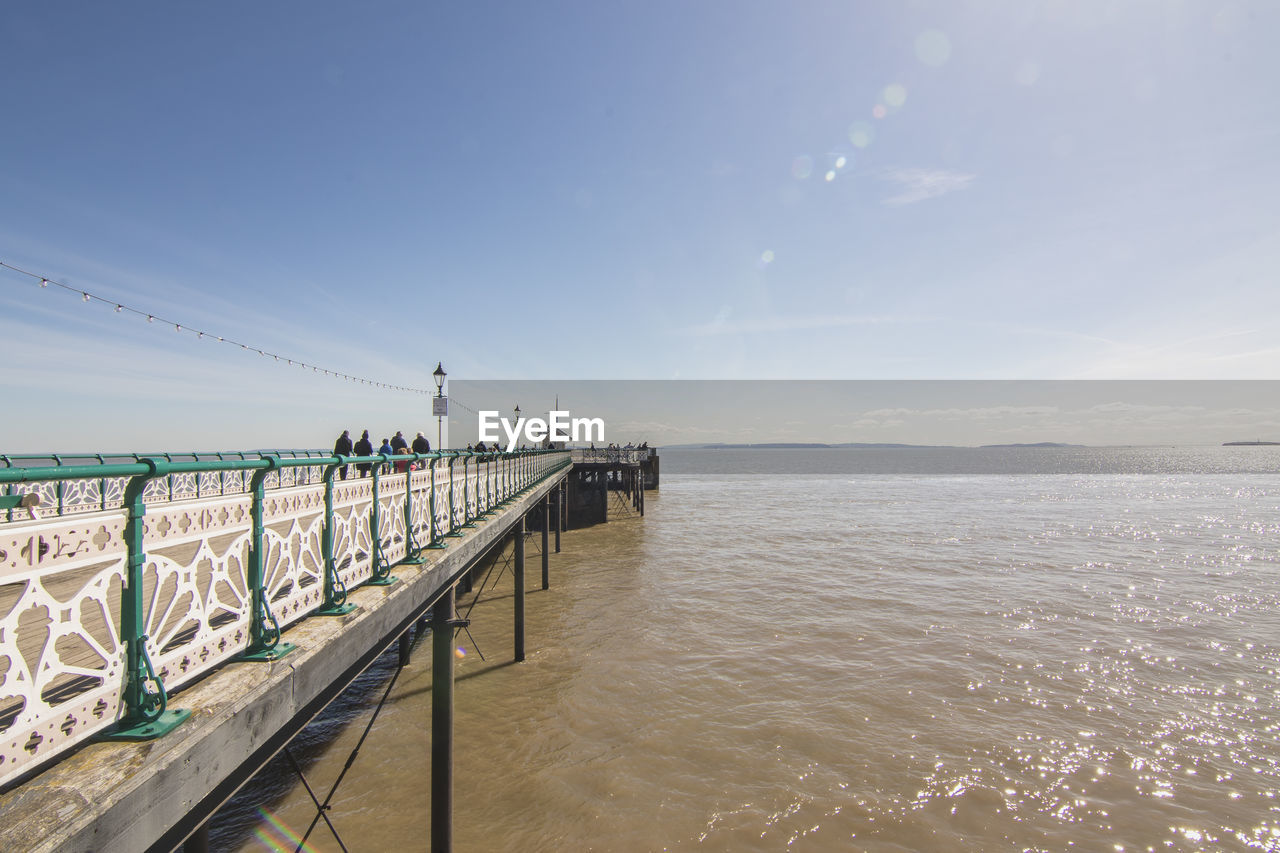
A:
[398,445]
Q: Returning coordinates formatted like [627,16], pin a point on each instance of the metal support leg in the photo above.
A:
[546,535]
[559,493]
[442,723]
[518,532]
[406,648]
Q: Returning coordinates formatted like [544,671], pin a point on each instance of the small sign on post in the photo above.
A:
[440,407]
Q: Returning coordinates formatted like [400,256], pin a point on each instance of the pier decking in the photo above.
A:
[130,580]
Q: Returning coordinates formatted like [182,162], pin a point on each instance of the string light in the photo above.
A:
[120,307]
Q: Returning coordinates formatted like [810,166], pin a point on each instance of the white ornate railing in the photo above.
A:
[150,573]
[624,456]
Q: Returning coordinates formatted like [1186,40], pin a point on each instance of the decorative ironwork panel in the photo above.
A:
[196,600]
[293,552]
[472,491]
[420,516]
[457,507]
[391,531]
[442,500]
[352,544]
[62,662]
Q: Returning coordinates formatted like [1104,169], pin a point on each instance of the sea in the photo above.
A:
[907,649]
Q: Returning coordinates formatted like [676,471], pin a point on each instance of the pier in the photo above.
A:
[168,623]
[609,480]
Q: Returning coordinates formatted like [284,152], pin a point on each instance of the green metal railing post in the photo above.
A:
[380,569]
[146,715]
[452,534]
[264,642]
[505,467]
[436,539]
[488,487]
[412,551]
[468,520]
[335,591]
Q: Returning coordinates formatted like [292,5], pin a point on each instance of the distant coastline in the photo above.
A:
[1251,443]
[858,445]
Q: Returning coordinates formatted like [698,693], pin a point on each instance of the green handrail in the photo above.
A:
[145,711]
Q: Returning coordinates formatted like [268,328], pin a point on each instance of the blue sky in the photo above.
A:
[934,190]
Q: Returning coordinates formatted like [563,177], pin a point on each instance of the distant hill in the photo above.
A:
[779,445]
[1037,444]
[857,445]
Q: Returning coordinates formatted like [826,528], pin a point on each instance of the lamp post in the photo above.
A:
[517,419]
[441,404]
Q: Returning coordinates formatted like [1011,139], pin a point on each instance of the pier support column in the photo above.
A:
[518,532]
[442,723]
[559,493]
[406,648]
[546,535]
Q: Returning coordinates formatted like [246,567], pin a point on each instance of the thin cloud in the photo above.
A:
[920,184]
[982,413]
[721,325]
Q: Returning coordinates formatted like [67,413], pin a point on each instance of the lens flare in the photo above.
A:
[861,134]
[802,167]
[933,48]
[269,838]
[879,111]
[766,257]
[460,652]
[895,95]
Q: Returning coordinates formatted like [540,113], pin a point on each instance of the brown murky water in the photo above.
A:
[1064,654]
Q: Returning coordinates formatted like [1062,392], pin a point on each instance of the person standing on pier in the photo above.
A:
[398,442]
[342,447]
[421,445]
[386,448]
[364,447]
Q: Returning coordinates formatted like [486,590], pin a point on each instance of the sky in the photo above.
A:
[968,189]
[966,413]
